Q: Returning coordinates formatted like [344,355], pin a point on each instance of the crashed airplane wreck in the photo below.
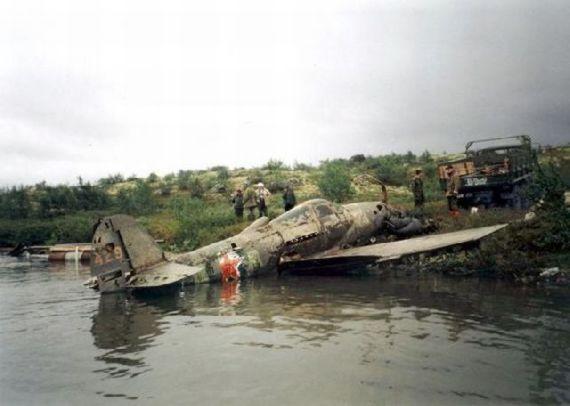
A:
[314,235]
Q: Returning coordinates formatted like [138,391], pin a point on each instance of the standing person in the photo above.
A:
[451,190]
[417,186]
[289,199]
[237,200]
[250,202]
[262,196]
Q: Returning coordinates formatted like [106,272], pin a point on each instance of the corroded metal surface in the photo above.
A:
[394,250]
[121,248]
[126,257]
[162,275]
[140,246]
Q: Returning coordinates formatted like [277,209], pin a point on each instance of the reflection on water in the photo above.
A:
[291,340]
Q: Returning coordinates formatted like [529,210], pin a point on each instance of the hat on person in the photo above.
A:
[260,184]
[449,167]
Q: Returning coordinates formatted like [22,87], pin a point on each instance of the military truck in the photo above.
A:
[494,172]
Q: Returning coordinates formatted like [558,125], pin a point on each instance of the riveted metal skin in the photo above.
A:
[121,248]
[125,257]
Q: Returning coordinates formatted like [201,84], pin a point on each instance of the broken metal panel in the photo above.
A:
[163,275]
[364,222]
[398,249]
[108,253]
[120,249]
[140,246]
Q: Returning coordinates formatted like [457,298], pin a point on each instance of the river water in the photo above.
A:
[396,339]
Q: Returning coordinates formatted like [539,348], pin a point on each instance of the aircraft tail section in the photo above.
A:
[121,248]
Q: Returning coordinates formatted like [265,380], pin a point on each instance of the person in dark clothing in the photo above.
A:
[417,186]
[237,200]
[289,199]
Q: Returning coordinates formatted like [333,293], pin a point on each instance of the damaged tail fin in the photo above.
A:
[121,248]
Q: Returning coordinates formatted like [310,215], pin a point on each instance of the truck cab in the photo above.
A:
[494,172]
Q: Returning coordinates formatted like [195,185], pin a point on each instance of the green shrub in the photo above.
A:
[222,174]
[425,157]
[152,178]
[15,203]
[549,187]
[357,158]
[553,215]
[274,165]
[184,180]
[64,229]
[410,157]
[335,181]
[200,223]
[138,200]
[390,169]
[165,189]
[76,228]
[110,180]
[169,179]
[299,166]
[255,176]
[196,188]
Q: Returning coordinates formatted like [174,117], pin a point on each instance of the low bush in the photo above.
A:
[200,223]
[138,200]
[70,228]
[335,181]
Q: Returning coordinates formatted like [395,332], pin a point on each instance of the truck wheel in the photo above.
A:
[520,199]
[525,201]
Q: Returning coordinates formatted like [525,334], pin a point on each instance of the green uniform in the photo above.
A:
[250,202]
[238,204]
[451,192]
[418,191]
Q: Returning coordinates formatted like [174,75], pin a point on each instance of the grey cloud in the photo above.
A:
[319,82]
[63,107]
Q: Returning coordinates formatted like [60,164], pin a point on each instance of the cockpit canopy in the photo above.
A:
[316,209]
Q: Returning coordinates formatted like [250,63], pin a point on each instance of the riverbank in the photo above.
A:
[534,248]
[193,208]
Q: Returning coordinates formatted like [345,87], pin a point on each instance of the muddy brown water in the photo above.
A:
[398,339]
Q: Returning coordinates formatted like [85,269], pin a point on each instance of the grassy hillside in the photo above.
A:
[192,207]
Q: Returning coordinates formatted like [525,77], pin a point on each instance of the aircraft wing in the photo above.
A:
[163,275]
[383,252]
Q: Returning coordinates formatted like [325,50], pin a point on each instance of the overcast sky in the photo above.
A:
[92,88]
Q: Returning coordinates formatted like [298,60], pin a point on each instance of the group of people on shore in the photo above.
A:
[257,198]
[451,189]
